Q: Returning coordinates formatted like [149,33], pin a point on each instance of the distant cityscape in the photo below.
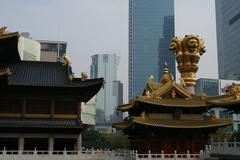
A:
[45,106]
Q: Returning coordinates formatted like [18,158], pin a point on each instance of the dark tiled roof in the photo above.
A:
[45,74]
[32,73]
[40,123]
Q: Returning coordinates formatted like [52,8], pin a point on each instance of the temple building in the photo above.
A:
[40,102]
[169,116]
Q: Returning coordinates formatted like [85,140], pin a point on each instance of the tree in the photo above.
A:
[221,133]
[96,139]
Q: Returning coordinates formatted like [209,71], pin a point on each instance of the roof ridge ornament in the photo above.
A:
[84,76]
[65,60]
[3,30]
[5,71]
[234,89]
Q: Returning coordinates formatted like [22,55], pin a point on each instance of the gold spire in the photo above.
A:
[166,76]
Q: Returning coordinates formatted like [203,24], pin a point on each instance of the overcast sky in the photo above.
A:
[101,26]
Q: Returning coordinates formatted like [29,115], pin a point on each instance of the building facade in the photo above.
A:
[40,102]
[105,65]
[51,51]
[228,29]
[151,27]
[208,86]
[28,49]
[117,92]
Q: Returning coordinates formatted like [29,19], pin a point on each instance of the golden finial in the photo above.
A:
[165,67]
[166,76]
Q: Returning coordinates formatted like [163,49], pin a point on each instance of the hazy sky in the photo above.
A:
[101,26]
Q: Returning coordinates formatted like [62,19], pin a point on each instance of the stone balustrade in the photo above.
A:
[174,156]
[224,148]
[91,154]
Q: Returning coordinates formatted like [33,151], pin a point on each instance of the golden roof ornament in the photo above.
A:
[5,71]
[233,89]
[166,77]
[150,79]
[65,60]
[188,51]
[84,76]
[3,30]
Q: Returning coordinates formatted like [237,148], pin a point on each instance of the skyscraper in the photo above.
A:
[208,86]
[151,27]
[228,38]
[105,65]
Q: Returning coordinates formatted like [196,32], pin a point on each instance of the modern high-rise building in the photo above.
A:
[151,27]
[208,86]
[228,38]
[51,51]
[105,65]
[117,92]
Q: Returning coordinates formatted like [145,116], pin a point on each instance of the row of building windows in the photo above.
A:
[38,106]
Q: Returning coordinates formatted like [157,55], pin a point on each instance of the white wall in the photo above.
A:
[29,49]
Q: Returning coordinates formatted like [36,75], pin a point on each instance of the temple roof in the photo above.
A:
[170,94]
[49,75]
[172,123]
[40,123]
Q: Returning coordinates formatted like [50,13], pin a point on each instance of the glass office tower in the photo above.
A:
[228,38]
[151,27]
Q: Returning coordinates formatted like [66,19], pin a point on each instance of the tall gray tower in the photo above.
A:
[228,38]
[105,65]
[151,27]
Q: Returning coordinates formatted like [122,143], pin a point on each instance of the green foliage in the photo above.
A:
[95,139]
[221,133]
[117,141]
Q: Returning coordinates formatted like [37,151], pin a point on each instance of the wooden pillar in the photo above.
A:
[52,107]
[79,109]
[24,105]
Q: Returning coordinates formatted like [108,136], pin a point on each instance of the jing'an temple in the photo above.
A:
[169,116]
[40,102]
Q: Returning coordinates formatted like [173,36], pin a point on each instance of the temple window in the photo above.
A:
[38,106]
[66,107]
[10,105]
